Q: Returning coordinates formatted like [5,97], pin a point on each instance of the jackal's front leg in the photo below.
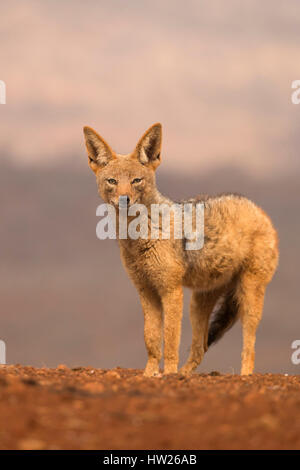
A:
[152,330]
[172,307]
[202,304]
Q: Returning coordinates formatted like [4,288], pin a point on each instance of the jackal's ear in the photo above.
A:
[148,148]
[99,152]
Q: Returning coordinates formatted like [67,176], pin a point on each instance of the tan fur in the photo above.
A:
[236,263]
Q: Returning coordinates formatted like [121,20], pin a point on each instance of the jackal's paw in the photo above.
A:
[247,368]
[185,372]
[187,369]
[246,372]
[170,368]
[151,370]
[157,375]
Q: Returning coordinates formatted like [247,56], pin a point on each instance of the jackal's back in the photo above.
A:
[238,236]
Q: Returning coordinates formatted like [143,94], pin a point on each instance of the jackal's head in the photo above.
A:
[131,175]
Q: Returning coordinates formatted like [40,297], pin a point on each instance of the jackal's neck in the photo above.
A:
[156,198]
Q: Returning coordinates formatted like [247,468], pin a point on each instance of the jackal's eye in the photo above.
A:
[111,181]
[136,180]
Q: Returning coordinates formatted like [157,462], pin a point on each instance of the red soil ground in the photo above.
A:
[85,408]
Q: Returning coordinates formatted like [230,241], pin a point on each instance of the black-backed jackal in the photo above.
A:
[228,276]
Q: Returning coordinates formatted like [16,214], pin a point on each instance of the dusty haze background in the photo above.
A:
[218,76]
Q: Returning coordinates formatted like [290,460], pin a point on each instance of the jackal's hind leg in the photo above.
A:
[251,299]
[202,304]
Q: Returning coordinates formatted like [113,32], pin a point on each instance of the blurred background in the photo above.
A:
[218,76]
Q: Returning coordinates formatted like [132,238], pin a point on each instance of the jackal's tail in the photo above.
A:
[224,317]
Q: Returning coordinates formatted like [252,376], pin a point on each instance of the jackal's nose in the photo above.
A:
[124,201]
